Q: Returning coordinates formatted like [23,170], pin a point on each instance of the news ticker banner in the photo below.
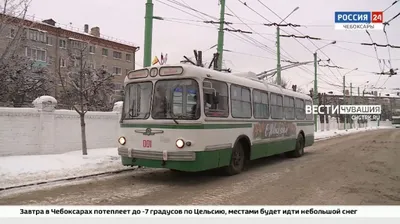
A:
[199,211]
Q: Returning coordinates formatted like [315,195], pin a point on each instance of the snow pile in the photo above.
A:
[333,133]
[22,170]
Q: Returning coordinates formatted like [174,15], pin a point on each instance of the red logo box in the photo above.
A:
[377,17]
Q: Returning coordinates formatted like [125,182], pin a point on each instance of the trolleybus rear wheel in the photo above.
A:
[299,150]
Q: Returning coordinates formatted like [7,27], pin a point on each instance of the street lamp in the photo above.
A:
[294,10]
[315,92]
[278,46]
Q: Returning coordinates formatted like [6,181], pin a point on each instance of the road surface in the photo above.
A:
[362,168]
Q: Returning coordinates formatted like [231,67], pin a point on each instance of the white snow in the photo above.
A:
[22,170]
[43,99]
[334,133]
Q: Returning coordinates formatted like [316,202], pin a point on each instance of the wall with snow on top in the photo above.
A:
[44,130]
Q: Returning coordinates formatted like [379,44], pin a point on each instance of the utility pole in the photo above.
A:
[220,47]
[278,56]
[148,33]
[358,91]
[351,101]
[315,93]
[344,101]
[278,46]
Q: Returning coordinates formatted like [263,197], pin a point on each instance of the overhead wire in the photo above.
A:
[251,41]
[247,39]
[303,68]
[245,4]
[303,35]
[387,41]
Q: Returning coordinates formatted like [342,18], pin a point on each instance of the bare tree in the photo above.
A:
[84,88]
[22,81]
[21,78]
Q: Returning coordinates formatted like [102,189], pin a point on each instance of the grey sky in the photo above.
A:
[124,19]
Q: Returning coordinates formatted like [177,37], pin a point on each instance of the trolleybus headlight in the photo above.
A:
[180,143]
[122,140]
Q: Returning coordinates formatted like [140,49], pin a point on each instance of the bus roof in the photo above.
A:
[248,79]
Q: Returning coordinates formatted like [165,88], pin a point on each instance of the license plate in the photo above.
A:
[147,143]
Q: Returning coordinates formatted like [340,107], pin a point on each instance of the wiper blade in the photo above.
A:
[173,117]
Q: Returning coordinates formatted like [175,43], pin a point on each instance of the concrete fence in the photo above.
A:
[44,130]
[334,125]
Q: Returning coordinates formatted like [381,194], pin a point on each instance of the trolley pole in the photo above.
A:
[148,33]
[220,46]
[278,56]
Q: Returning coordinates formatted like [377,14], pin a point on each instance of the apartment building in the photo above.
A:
[50,45]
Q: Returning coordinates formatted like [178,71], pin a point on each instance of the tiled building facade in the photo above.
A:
[50,46]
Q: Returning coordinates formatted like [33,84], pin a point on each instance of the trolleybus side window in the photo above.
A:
[215,98]
[240,101]
[137,100]
[176,99]
[276,106]
[309,116]
[260,105]
[300,109]
[288,109]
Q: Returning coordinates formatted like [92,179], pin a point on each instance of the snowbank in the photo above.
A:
[333,133]
[22,170]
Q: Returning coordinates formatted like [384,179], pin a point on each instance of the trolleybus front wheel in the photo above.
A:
[237,160]
[299,150]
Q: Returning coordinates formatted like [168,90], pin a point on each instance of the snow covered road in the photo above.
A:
[27,170]
[360,168]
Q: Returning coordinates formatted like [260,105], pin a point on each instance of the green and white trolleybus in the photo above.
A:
[189,118]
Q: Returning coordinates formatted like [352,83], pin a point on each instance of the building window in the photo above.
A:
[49,41]
[92,49]
[117,86]
[35,54]
[128,57]
[62,44]
[104,52]
[240,101]
[260,105]
[117,54]
[76,44]
[63,63]
[215,98]
[76,63]
[36,35]
[12,33]
[117,71]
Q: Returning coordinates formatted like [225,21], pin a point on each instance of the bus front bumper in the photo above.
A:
[157,155]
[188,161]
